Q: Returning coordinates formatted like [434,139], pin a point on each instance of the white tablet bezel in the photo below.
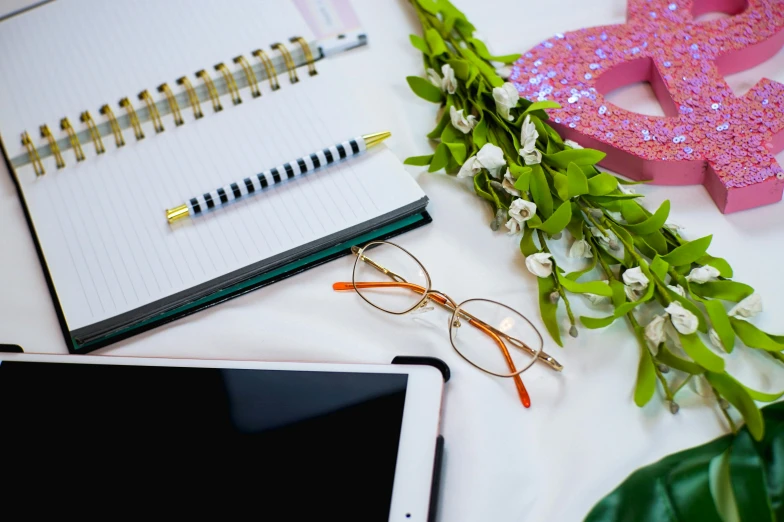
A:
[420,427]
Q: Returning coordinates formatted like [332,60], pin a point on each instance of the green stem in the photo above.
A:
[777,355]
[724,412]
[681,385]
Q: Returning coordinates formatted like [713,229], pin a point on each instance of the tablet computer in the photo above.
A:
[268,441]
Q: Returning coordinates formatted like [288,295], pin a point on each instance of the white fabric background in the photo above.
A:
[583,434]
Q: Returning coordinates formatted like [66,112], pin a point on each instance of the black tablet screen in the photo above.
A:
[266,444]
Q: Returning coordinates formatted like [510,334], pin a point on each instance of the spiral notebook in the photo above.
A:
[111,112]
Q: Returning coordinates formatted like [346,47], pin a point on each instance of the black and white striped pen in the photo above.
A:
[210,200]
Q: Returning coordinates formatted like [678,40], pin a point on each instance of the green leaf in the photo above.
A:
[632,212]
[442,123]
[657,241]
[618,292]
[721,487]
[435,42]
[579,156]
[523,180]
[659,267]
[480,133]
[462,68]
[702,355]
[753,337]
[480,187]
[560,183]
[763,396]
[718,263]
[488,72]
[419,43]
[749,483]
[666,357]
[674,489]
[431,6]
[724,290]
[576,181]
[737,395]
[602,184]
[541,105]
[481,50]
[558,221]
[548,309]
[419,160]
[653,223]
[646,374]
[440,158]
[454,139]
[424,89]
[688,253]
[592,287]
[527,245]
[612,201]
[721,323]
[540,190]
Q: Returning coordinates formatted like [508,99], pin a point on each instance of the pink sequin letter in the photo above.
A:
[708,135]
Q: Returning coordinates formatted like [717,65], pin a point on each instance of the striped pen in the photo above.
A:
[196,206]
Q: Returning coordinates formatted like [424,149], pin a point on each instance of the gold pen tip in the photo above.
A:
[375,138]
[174,214]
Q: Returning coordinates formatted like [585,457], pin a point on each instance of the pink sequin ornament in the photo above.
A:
[708,135]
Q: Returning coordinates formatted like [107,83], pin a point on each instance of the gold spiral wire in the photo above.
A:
[125,103]
[155,116]
[75,145]
[192,96]
[253,84]
[308,55]
[272,74]
[211,90]
[118,137]
[58,157]
[288,60]
[35,159]
[173,105]
[231,85]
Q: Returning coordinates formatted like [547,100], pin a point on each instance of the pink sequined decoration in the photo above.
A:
[708,135]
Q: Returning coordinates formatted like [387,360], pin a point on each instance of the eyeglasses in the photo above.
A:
[489,335]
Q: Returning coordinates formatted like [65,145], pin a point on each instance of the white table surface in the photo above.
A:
[583,434]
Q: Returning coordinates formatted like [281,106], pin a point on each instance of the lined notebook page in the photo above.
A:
[102,224]
[69,56]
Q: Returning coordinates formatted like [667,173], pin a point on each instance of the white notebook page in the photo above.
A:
[68,56]
[102,224]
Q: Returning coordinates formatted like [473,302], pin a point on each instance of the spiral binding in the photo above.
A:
[173,106]
[58,158]
[75,145]
[151,109]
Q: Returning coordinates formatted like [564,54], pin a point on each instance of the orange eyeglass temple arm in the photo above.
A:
[521,391]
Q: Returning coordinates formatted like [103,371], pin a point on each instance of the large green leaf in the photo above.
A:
[540,190]
[753,337]
[419,161]
[558,221]
[548,309]
[646,373]
[602,184]
[591,287]
[679,487]
[579,156]
[576,181]
[702,355]
[688,253]
[424,89]
[419,43]
[435,42]
[739,397]
[653,223]
[725,290]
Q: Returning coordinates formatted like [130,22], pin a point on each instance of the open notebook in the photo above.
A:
[115,266]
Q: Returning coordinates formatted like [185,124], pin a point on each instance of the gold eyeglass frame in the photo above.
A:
[429,295]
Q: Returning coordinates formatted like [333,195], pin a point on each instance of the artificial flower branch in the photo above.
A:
[546,189]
